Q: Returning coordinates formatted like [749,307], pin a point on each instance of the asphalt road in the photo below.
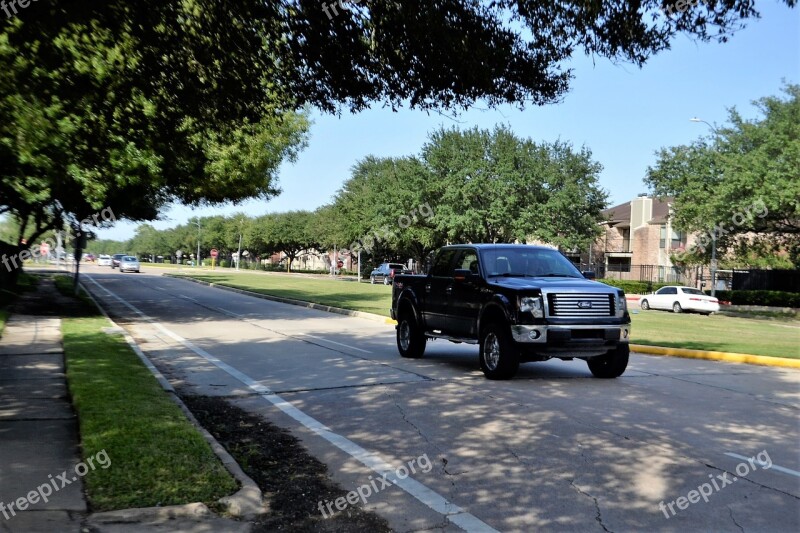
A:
[665,447]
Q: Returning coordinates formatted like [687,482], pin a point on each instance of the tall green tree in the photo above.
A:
[742,183]
[132,106]
[290,233]
[491,186]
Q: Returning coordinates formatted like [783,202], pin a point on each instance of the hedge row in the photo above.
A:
[634,287]
[768,298]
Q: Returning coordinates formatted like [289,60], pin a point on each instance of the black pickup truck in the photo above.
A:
[519,303]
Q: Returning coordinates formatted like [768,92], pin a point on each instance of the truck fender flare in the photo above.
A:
[408,297]
[499,304]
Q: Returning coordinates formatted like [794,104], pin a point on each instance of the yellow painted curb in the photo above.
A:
[391,322]
[718,356]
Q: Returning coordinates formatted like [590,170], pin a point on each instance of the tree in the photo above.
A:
[742,184]
[384,210]
[288,233]
[451,53]
[133,106]
[491,186]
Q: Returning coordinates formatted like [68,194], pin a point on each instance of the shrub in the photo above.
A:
[766,298]
[634,287]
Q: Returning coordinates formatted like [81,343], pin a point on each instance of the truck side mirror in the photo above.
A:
[463,274]
[588,274]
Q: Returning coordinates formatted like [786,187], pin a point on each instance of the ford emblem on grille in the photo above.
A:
[584,304]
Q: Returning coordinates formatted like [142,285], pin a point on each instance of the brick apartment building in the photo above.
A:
[637,241]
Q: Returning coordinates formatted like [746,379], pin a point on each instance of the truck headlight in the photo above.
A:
[622,304]
[532,304]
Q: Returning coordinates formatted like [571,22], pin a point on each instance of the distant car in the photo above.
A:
[88,258]
[115,259]
[104,260]
[128,263]
[678,299]
[386,272]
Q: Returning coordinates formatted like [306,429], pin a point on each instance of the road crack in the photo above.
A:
[730,511]
[599,514]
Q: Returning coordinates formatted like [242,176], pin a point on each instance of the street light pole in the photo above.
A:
[197,257]
[239,253]
[714,231]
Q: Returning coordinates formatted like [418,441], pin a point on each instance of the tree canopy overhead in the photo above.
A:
[451,53]
[134,105]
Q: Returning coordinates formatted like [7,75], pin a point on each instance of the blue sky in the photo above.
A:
[622,113]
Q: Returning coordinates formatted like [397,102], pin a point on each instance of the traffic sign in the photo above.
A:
[214,252]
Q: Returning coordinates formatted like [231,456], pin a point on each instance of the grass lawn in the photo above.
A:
[337,293]
[780,338]
[157,456]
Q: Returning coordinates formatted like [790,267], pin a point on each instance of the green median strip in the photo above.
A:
[772,337]
[376,299]
[157,456]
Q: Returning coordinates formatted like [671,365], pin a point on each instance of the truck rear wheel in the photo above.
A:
[410,337]
[498,358]
[612,364]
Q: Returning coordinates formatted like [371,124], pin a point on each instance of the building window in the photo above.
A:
[626,240]
[678,239]
[619,264]
[662,239]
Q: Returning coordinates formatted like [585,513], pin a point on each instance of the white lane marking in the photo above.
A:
[333,342]
[455,514]
[773,467]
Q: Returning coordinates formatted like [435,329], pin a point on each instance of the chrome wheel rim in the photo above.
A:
[491,351]
[404,335]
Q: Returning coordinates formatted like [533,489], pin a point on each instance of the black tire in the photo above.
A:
[676,308]
[610,365]
[645,305]
[498,356]
[411,339]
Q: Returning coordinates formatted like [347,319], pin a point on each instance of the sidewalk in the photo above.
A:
[38,428]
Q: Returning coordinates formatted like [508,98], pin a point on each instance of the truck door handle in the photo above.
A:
[428,287]
[448,290]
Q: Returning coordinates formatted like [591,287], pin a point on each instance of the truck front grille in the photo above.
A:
[580,305]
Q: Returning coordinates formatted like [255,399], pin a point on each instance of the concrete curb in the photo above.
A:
[749,359]
[291,301]
[142,514]
[640,348]
[247,503]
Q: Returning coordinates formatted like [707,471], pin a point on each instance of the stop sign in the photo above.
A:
[44,248]
[214,252]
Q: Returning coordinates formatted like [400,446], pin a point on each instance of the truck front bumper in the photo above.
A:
[568,335]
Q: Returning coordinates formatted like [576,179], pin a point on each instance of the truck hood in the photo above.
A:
[552,284]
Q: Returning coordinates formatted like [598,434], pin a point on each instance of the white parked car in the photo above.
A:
[678,299]
[128,263]
[104,260]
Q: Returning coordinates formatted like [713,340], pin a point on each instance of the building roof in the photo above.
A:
[618,213]
[622,212]
[661,210]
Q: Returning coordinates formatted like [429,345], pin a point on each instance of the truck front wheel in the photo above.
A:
[410,337]
[612,364]
[499,359]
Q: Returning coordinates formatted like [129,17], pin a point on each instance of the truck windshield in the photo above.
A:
[527,262]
